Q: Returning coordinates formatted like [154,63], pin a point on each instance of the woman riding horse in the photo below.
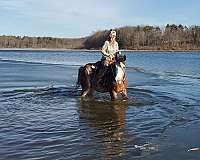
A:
[109,50]
[108,75]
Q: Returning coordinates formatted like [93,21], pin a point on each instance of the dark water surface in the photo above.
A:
[43,117]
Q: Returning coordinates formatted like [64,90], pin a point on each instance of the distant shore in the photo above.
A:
[88,50]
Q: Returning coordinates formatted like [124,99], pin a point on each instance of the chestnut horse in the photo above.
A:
[113,81]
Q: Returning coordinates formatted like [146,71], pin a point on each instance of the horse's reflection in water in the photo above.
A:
[107,122]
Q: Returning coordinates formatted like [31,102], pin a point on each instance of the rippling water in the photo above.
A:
[43,117]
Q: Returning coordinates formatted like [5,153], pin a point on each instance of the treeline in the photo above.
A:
[170,37]
[40,42]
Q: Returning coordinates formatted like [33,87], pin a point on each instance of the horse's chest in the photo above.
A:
[119,75]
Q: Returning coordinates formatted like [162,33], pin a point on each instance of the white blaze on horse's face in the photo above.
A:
[120,72]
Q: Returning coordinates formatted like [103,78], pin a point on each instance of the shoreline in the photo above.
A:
[88,50]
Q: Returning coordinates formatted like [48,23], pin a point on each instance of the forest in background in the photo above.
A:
[171,37]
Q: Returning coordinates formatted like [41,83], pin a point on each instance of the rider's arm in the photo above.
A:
[104,49]
[117,47]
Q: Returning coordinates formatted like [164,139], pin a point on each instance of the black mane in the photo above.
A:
[120,58]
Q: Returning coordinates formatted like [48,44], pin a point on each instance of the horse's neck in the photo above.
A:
[119,73]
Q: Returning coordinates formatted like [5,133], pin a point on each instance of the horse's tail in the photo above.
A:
[79,76]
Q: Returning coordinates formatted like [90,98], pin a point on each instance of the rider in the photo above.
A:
[109,50]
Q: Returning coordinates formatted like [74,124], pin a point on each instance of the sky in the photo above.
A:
[79,18]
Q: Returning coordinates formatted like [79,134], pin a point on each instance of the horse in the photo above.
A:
[113,81]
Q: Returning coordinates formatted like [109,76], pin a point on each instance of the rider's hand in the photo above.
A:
[111,56]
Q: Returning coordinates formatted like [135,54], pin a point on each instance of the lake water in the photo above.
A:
[43,117]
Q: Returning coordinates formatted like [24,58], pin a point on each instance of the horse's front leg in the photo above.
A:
[125,94]
[113,95]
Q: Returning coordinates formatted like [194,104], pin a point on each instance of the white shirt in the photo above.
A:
[110,48]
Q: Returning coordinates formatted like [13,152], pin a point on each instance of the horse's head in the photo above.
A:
[119,67]
[119,75]
[120,58]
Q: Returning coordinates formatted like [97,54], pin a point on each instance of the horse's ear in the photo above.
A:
[117,56]
[124,57]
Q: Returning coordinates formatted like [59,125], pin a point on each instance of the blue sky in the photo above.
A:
[78,18]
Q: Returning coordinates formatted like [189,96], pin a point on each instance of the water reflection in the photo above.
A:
[106,122]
